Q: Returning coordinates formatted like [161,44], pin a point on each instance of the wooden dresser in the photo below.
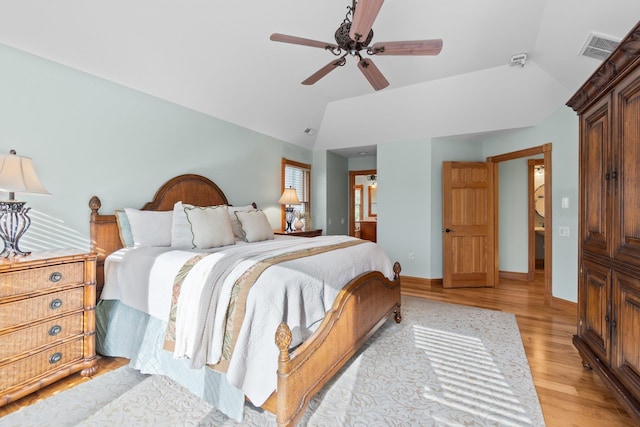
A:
[369,230]
[608,333]
[47,320]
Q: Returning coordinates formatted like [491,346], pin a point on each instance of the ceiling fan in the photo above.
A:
[351,40]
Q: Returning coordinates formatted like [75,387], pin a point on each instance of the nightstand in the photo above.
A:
[47,320]
[301,233]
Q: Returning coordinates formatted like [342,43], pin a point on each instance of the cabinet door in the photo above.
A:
[627,156]
[595,178]
[593,293]
[626,331]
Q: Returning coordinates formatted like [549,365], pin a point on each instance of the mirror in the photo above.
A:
[538,197]
[373,201]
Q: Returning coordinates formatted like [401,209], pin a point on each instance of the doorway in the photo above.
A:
[536,189]
[545,151]
[363,204]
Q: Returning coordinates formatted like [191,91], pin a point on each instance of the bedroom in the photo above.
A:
[89,135]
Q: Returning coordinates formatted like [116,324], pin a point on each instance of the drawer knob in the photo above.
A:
[56,303]
[55,358]
[55,330]
[56,276]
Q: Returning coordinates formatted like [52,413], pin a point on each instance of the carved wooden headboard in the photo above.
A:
[103,229]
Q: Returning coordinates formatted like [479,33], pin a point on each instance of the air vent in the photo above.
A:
[599,46]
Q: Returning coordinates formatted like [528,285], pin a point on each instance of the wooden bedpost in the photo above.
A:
[104,236]
[283,341]
[397,314]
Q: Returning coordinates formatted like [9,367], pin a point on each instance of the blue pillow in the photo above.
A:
[124,228]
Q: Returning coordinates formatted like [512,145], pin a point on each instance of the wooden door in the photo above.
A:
[624,326]
[468,224]
[626,174]
[593,294]
[595,175]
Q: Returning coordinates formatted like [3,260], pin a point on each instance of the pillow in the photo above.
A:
[181,236]
[235,224]
[150,228]
[210,226]
[124,229]
[255,226]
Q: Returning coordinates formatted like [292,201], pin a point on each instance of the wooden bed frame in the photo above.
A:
[361,307]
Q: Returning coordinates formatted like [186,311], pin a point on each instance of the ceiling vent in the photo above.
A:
[599,46]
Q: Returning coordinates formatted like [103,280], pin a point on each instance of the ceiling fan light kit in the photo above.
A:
[350,40]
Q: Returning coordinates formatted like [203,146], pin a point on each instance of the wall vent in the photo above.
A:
[599,46]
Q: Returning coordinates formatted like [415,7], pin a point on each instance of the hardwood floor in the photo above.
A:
[569,395]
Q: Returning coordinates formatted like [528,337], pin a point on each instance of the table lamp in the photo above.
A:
[289,197]
[17,175]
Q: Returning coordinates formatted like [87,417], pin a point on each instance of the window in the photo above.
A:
[298,176]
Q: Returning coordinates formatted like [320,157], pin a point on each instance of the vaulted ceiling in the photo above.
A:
[215,57]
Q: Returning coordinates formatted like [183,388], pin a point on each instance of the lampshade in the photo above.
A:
[17,175]
[289,197]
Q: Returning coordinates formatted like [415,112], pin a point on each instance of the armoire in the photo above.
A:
[608,330]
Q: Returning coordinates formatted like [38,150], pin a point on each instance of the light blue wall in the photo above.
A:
[513,214]
[337,194]
[363,163]
[88,136]
[319,191]
[404,199]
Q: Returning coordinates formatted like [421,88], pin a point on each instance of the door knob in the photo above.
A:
[447,230]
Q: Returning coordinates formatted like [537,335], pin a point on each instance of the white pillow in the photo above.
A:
[150,228]
[235,224]
[255,226]
[210,226]
[181,236]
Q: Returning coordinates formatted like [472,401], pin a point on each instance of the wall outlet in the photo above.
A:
[563,231]
[341,220]
[411,255]
[329,221]
[565,202]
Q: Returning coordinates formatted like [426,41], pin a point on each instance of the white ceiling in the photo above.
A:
[215,57]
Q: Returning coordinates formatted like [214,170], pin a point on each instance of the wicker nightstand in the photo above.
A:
[47,320]
[301,233]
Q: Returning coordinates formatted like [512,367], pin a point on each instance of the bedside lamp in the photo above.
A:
[16,176]
[289,197]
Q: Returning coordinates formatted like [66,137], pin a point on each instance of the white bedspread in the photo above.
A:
[298,291]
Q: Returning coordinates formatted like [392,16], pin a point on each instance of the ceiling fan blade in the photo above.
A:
[363,18]
[373,74]
[324,71]
[276,37]
[413,47]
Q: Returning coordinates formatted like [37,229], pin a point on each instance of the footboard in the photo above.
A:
[359,310]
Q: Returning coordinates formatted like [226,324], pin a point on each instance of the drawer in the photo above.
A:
[39,308]
[42,334]
[47,361]
[40,278]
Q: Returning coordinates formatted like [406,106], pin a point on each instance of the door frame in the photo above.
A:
[545,150]
[352,183]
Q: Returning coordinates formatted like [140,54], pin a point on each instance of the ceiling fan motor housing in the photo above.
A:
[347,43]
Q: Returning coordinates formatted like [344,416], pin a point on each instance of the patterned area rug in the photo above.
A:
[444,365]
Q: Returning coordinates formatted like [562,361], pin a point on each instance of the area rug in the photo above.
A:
[444,365]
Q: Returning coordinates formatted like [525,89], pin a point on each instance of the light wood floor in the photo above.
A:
[569,395]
